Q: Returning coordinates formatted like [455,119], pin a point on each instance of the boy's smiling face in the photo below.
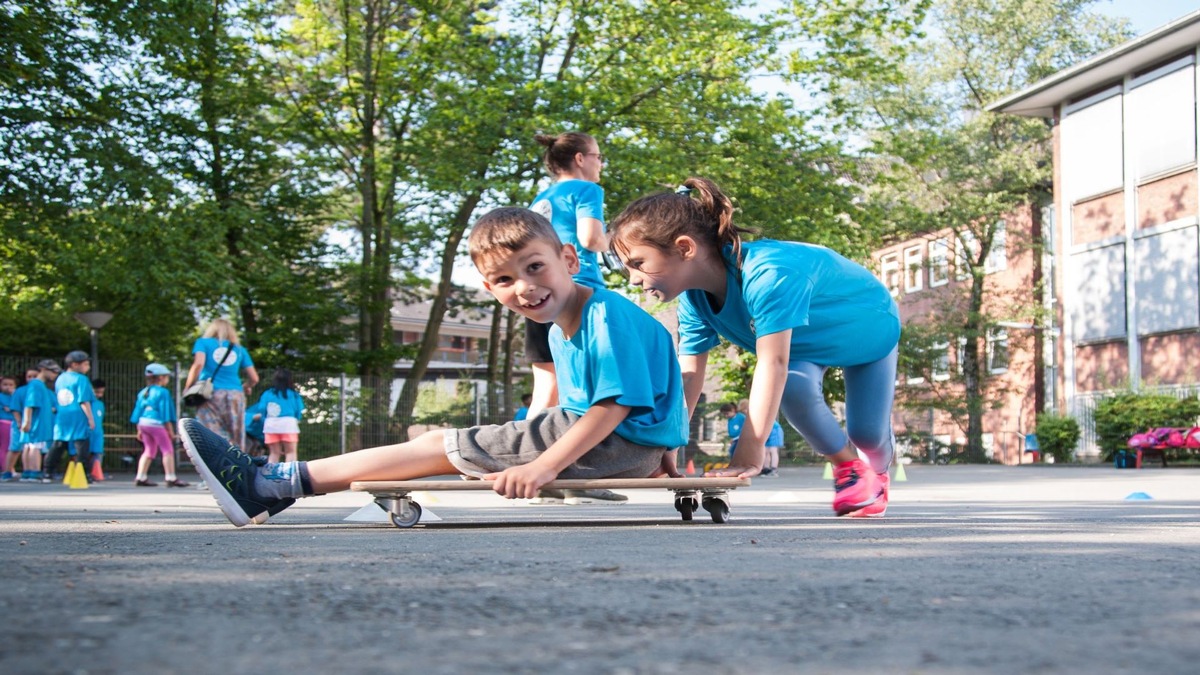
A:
[534,281]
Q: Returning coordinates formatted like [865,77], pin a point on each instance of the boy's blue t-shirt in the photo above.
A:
[17,440]
[96,441]
[288,405]
[154,405]
[218,351]
[522,413]
[839,313]
[39,397]
[563,204]
[620,352]
[71,391]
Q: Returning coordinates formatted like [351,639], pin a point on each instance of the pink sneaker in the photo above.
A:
[879,507]
[855,486]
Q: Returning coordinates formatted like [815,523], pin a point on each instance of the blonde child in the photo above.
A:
[154,415]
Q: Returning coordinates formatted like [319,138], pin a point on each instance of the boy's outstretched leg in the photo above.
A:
[230,475]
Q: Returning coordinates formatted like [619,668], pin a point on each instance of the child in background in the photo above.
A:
[734,426]
[16,442]
[282,408]
[73,421]
[523,411]
[8,421]
[154,415]
[621,411]
[800,308]
[96,442]
[37,420]
[256,442]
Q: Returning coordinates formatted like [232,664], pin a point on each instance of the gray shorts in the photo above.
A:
[492,448]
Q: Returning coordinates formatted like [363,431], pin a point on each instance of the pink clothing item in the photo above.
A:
[155,440]
[281,438]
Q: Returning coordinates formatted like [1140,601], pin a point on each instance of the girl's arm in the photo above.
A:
[766,390]
[596,425]
[693,366]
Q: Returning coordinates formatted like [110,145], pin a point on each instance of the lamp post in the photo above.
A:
[94,321]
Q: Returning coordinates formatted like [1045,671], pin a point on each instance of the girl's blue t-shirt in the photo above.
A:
[775,439]
[218,351]
[288,405]
[17,439]
[71,391]
[7,412]
[41,427]
[839,313]
[154,405]
[620,352]
[563,204]
[734,426]
[96,441]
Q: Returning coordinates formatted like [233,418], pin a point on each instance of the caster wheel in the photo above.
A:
[410,514]
[718,509]
[686,506]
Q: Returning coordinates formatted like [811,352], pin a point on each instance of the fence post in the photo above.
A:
[342,413]
[178,393]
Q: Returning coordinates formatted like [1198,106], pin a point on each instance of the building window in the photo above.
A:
[997,350]
[967,253]
[914,273]
[1162,120]
[960,354]
[889,266]
[1092,157]
[939,262]
[941,361]
[997,258]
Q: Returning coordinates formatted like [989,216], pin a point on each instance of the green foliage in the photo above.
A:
[1057,436]
[1122,415]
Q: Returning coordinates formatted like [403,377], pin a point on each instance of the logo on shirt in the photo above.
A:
[273,409]
[542,208]
[219,355]
[65,397]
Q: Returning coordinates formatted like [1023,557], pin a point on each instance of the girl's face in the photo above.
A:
[657,272]
[31,375]
[8,385]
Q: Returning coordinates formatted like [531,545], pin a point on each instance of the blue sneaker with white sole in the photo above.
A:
[229,474]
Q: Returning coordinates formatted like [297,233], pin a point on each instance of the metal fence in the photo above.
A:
[342,412]
[1084,411]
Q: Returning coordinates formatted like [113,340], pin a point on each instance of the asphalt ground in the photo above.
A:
[975,569]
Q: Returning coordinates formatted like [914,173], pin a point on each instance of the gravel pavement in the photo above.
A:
[976,569]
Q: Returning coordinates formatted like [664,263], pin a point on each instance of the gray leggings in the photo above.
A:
[870,389]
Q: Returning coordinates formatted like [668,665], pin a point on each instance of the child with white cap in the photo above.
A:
[154,415]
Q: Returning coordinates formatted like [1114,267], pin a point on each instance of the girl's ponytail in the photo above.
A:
[720,214]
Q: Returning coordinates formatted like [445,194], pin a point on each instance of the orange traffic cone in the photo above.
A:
[691,468]
[97,470]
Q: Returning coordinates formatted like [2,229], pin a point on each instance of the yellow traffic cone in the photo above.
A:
[828,471]
[67,476]
[78,478]
[899,477]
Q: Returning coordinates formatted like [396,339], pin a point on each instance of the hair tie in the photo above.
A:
[683,190]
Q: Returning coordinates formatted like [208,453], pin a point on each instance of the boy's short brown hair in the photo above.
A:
[506,230]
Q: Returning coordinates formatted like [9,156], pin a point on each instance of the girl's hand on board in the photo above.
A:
[734,471]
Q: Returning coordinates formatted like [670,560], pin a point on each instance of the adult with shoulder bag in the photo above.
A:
[222,368]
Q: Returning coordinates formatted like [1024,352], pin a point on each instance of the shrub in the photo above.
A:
[1057,436]
[1125,414]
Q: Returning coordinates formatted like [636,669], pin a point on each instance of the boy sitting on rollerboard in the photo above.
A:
[621,410]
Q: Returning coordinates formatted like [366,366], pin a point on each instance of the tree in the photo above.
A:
[940,164]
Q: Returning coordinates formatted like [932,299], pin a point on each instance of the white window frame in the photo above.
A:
[941,366]
[914,270]
[997,258]
[939,262]
[965,250]
[960,354]
[889,272]
[997,336]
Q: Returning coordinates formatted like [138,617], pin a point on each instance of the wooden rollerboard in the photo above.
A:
[691,494]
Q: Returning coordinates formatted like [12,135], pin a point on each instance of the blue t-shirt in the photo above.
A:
[72,390]
[96,442]
[563,204]
[218,352]
[39,397]
[154,406]
[7,412]
[521,414]
[17,440]
[775,439]
[288,405]
[839,313]
[254,427]
[620,352]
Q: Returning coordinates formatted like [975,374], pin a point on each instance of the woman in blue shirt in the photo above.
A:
[219,357]
[800,308]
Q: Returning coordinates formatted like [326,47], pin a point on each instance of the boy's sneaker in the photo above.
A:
[577,497]
[879,506]
[229,474]
[7,477]
[855,486]
[548,497]
[145,483]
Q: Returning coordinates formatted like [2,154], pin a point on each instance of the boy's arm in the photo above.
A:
[86,407]
[596,425]
[26,419]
